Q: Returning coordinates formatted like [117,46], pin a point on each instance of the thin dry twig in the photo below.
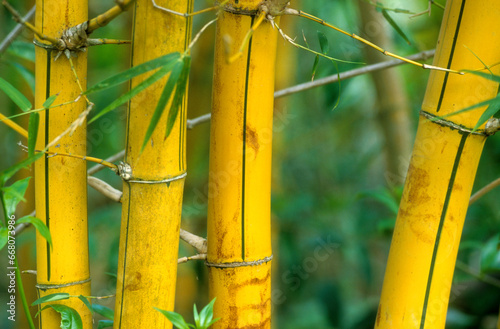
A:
[195,257]
[16,31]
[488,188]
[104,188]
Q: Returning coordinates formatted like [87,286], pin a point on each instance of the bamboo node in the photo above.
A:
[452,125]
[63,285]
[240,264]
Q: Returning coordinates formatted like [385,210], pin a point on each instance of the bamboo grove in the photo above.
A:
[454,123]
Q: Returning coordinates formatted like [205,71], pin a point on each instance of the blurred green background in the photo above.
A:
[332,188]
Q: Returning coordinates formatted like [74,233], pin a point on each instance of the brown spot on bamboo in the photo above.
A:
[252,139]
[135,281]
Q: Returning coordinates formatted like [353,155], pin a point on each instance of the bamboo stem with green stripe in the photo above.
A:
[239,233]
[152,197]
[61,182]
[443,166]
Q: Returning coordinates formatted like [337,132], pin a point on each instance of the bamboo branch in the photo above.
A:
[195,257]
[95,169]
[16,31]
[478,275]
[197,121]
[350,74]
[14,125]
[104,188]
[198,243]
[484,190]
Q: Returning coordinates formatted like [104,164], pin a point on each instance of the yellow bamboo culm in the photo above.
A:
[61,182]
[149,237]
[239,232]
[444,162]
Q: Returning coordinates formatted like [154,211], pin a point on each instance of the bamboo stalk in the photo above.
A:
[151,211]
[239,233]
[61,182]
[441,174]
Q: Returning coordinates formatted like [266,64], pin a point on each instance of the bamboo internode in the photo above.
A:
[239,232]
[61,182]
[153,188]
[441,173]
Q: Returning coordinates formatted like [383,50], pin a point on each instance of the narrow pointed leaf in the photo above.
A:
[105,324]
[14,194]
[15,95]
[196,316]
[180,90]
[493,108]
[485,75]
[48,102]
[51,298]
[207,313]
[133,72]
[8,173]
[4,236]
[104,311]
[163,101]
[315,67]
[33,132]
[27,75]
[133,92]
[22,49]
[39,226]
[70,319]
[323,43]
[176,319]
[395,26]
[87,303]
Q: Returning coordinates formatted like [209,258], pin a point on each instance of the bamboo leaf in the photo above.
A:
[176,319]
[493,108]
[27,75]
[70,319]
[323,43]
[14,194]
[8,173]
[33,132]
[48,102]
[104,324]
[132,92]
[86,302]
[180,90]
[134,71]
[51,298]
[4,236]
[15,95]
[488,76]
[21,49]
[490,255]
[162,102]
[315,67]
[39,226]
[196,316]
[104,311]
[395,26]
[206,315]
